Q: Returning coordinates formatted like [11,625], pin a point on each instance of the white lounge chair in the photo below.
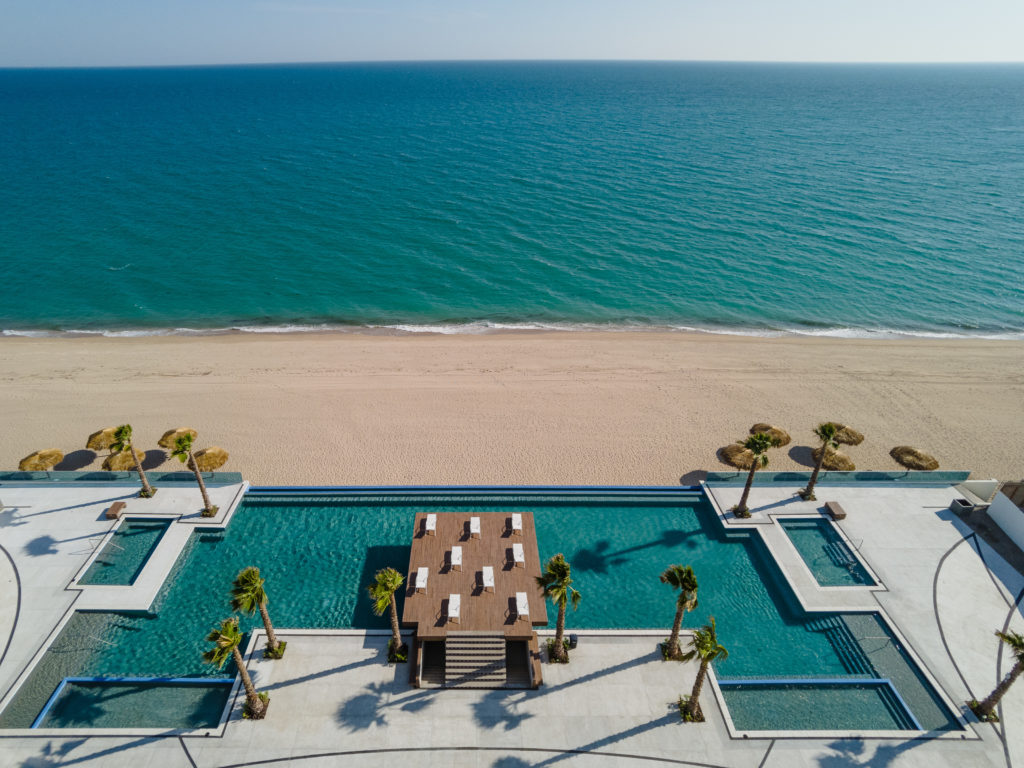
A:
[517,524]
[522,606]
[518,555]
[456,558]
[421,579]
[430,526]
[474,527]
[454,607]
[488,578]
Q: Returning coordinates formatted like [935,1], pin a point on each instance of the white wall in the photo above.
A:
[1009,517]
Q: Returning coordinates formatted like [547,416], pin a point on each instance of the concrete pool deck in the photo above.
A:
[335,701]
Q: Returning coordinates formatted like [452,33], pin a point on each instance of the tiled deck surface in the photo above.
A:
[334,701]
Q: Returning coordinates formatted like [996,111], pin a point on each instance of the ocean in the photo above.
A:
[845,200]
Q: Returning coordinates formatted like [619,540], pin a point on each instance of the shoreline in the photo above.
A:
[513,408]
[488,327]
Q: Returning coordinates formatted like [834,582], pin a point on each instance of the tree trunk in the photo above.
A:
[199,479]
[742,506]
[560,653]
[147,489]
[673,640]
[256,705]
[694,703]
[396,634]
[988,705]
[809,490]
[271,637]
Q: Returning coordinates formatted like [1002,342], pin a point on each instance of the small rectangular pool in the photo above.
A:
[184,704]
[122,557]
[826,553]
[868,705]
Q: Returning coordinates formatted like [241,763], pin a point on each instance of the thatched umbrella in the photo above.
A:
[119,462]
[171,436]
[779,437]
[41,461]
[912,458]
[737,456]
[211,459]
[848,435]
[101,441]
[835,461]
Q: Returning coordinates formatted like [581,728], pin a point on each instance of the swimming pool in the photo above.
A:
[126,552]
[826,553]
[618,546]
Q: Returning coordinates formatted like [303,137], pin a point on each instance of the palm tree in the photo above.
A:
[704,646]
[1016,642]
[826,432]
[556,583]
[758,444]
[382,592]
[248,596]
[679,577]
[123,442]
[226,638]
[183,450]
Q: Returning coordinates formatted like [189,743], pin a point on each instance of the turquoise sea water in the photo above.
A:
[842,200]
[617,549]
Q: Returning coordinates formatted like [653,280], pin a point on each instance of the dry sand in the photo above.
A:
[532,408]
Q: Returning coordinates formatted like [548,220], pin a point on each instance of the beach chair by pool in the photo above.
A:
[454,608]
[835,511]
[456,559]
[487,575]
[421,579]
[114,510]
[517,524]
[430,524]
[474,527]
[522,606]
[518,555]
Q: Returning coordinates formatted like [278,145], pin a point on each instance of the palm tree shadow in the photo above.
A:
[363,710]
[853,752]
[510,762]
[801,454]
[496,708]
[76,460]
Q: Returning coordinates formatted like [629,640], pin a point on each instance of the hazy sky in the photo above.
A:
[127,32]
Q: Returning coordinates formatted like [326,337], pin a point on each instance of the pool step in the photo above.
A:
[474,660]
[844,643]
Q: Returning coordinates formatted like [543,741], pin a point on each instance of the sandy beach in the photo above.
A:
[529,408]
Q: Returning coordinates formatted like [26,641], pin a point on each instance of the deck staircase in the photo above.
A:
[474,660]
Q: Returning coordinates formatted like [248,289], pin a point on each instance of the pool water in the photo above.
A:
[617,546]
[126,552]
[826,553]
[93,704]
[830,707]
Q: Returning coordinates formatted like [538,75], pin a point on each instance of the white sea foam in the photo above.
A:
[487,326]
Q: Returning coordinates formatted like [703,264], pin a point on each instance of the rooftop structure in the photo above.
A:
[473,601]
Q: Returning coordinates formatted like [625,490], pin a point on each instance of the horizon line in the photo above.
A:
[343,62]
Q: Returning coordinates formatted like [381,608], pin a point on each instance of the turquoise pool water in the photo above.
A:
[846,706]
[137,705]
[826,553]
[122,557]
[618,546]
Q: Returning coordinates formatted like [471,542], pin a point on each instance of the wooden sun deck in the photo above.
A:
[481,610]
